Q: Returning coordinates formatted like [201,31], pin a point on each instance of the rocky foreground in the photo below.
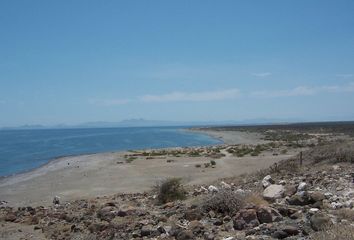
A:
[287,201]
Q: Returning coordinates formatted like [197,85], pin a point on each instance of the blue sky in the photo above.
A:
[79,61]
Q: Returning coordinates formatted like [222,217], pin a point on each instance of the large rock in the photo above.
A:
[267,181]
[316,196]
[279,234]
[185,235]
[320,221]
[245,218]
[300,199]
[213,189]
[106,213]
[146,231]
[10,217]
[291,230]
[193,214]
[273,192]
[290,190]
[196,227]
[268,215]
[302,187]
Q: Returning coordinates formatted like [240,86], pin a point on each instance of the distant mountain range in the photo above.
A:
[153,123]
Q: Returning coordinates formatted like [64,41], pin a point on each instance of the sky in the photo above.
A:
[81,61]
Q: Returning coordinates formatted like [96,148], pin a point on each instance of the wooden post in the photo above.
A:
[301,158]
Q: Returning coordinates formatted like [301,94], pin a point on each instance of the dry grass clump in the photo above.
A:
[256,200]
[337,232]
[225,202]
[345,213]
[170,190]
[333,153]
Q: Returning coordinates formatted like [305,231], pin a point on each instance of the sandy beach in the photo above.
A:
[101,174]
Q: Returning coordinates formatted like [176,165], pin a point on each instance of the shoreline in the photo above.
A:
[100,174]
[49,161]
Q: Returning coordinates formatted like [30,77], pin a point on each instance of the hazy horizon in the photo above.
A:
[65,62]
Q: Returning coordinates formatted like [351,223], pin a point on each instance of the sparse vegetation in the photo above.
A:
[198,165]
[212,163]
[256,199]
[333,153]
[225,202]
[284,151]
[130,159]
[346,214]
[336,232]
[170,190]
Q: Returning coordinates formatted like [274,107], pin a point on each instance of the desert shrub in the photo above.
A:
[170,190]
[198,165]
[255,154]
[284,151]
[194,154]
[130,159]
[336,232]
[334,153]
[224,202]
[212,162]
[206,165]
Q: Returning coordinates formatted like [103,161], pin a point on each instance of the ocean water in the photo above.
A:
[23,150]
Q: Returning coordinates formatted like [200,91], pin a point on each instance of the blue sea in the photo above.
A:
[23,150]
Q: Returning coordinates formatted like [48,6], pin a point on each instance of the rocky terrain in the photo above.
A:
[314,200]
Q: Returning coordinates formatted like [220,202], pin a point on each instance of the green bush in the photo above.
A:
[170,190]
[212,162]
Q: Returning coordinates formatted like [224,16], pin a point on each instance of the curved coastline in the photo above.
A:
[63,157]
[98,174]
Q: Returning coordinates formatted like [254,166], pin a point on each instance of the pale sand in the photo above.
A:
[100,174]
[233,137]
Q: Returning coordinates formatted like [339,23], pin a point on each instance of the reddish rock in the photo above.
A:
[246,218]
[10,217]
[268,215]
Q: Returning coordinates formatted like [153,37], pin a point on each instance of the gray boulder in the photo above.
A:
[273,192]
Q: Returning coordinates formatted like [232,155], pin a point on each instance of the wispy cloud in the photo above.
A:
[298,91]
[346,75]
[304,91]
[339,88]
[109,102]
[193,97]
[261,74]
[228,94]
